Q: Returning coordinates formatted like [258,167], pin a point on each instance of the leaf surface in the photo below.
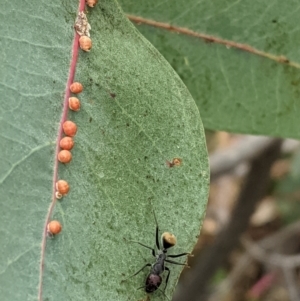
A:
[136,115]
[235,88]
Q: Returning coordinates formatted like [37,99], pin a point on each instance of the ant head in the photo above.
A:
[153,281]
[168,240]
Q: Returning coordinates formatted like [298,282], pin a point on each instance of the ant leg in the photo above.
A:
[137,242]
[175,262]
[156,234]
[146,265]
[135,291]
[167,269]
[179,255]
[163,293]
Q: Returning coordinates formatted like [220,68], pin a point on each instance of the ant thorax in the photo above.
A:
[158,253]
[159,266]
[161,254]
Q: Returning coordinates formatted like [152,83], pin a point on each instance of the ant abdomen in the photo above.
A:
[152,283]
[168,240]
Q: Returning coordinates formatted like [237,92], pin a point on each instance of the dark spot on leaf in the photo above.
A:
[87,287]
[283,59]
[112,95]
[208,40]
[146,158]
[91,119]
[274,21]
[127,124]
[54,82]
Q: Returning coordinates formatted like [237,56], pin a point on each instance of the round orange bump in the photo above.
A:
[66,143]
[76,88]
[64,156]
[54,227]
[62,187]
[74,103]
[85,43]
[70,128]
[91,3]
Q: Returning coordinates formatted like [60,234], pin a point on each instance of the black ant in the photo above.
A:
[154,280]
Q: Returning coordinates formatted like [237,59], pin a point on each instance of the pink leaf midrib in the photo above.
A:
[72,69]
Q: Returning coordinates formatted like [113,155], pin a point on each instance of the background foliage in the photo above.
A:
[235,90]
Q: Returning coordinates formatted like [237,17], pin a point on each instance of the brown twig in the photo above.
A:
[245,149]
[273,242]
[272,258]
[291,284]
[212,39]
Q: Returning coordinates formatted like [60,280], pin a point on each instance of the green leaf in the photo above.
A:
[235,90]
[136,115]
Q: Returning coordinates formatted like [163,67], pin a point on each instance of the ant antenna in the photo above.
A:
[153,213]
[157,229]
[134,292]
[164,293]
